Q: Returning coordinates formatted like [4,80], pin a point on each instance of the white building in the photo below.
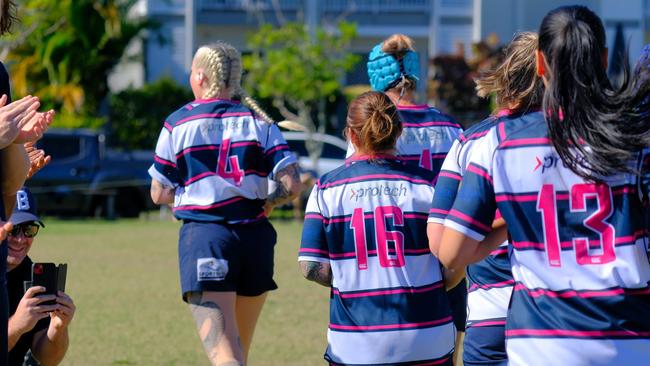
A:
[437,26]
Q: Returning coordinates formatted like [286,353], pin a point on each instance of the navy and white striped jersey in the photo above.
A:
[490,280]
[427,136]
[579,257]
[219,157]
[388,305]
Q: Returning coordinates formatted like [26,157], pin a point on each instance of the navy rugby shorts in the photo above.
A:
[222,258]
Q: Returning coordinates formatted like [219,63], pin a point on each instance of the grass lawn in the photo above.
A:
[123,277]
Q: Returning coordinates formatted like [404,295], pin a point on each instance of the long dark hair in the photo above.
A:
[595,128]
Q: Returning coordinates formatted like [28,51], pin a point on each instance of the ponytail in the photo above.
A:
[375,121]
[595,129]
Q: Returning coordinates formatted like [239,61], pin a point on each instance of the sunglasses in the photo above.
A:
[28,230]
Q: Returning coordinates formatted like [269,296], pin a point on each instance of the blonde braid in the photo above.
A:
[213,60]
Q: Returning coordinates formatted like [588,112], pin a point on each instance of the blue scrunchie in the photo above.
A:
[384,70]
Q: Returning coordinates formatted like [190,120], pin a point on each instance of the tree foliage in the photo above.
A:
[299,72]
[137,115]
[65,50]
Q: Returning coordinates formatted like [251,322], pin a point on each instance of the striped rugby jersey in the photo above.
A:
[490,280]
[388,305]
[219,157]
[579,260]
[427,136]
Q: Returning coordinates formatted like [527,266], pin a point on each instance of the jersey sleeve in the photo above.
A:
[446,186]
[313,245]
[474,207]
[277,154]
[164,167]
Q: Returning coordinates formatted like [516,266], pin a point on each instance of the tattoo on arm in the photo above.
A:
[161,194]
[318,272]
[287,180]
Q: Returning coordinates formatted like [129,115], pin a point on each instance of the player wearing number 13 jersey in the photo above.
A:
[213,160]
[365,237]
[566,182]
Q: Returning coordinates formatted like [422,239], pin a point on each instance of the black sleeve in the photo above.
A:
[5,88]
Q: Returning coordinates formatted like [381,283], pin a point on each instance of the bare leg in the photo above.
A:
[214,314]
[248,309]
[458,355]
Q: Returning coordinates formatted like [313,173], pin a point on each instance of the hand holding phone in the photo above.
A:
[50,276]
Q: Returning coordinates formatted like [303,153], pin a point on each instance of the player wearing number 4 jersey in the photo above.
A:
[365,236]
[213,161]
[566,182]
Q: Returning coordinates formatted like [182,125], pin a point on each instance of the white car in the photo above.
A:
[332,156]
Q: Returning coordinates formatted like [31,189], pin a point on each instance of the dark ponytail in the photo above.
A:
[595,128]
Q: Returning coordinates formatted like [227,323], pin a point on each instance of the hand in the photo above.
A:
[5,229]
[34,126]
[31,309]
[37,159]
[62,316]
[14,117]
[268,208]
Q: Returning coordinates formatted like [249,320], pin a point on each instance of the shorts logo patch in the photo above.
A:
[211,269]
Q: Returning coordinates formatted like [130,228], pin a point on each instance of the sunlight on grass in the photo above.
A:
[123,277]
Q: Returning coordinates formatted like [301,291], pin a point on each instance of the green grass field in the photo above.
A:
[123,277]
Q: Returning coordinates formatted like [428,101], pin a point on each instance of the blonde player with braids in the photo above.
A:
[213,161]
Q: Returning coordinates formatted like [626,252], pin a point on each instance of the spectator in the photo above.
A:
[43,329]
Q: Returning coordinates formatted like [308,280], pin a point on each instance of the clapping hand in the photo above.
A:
[37,158]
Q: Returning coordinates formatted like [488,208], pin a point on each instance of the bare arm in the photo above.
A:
[288,186]
[15,165]
[50,345]
[434,233]
[319,272]
[458,250]
[161,194]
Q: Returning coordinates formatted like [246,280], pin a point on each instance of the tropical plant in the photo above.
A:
[65,50]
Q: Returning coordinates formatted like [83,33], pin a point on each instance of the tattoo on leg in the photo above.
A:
[210,323]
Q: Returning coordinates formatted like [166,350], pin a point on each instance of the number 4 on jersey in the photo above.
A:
[234,172]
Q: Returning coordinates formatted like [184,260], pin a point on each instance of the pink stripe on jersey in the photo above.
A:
[488,323]
[210,100]
[197,148]
[375,176]
[314,250]
[314,216]
[433,363]
[582,294]
[163,161]
[415,215]
[575,333]
[621,240]
[168,126]
[214,205]
[430,124]
[200,176]
[276,148]
[245,143]
[374,252]
[391,326]
[474,135]
[413,107]
[214,115]
[525,142]
[466,218]
[451,175]
[411,290]
[476,170]
[499,251]
[439,211]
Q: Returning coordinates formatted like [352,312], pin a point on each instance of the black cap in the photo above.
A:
[25,209]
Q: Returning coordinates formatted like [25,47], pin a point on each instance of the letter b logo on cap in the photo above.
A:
[22,201]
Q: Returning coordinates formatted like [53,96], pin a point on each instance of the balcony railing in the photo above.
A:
[249,5]
[372,6]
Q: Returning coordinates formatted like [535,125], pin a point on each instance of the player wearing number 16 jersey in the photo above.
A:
[365,237]
[213,161]
[566,182]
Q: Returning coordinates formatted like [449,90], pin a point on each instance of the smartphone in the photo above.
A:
[50,276]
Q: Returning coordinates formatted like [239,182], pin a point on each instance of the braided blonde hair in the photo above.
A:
[222,65]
